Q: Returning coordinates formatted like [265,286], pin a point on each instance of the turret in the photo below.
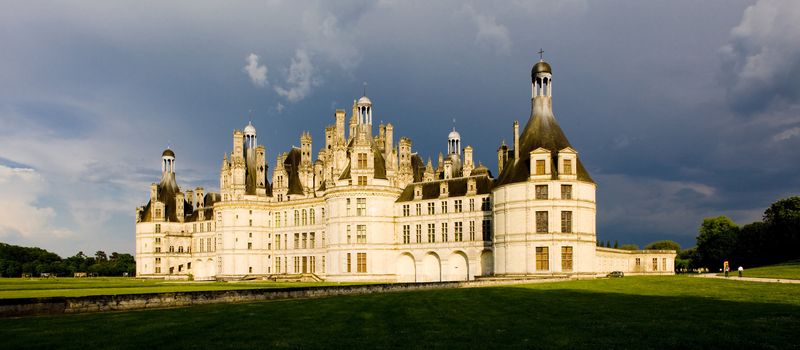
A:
[468,163]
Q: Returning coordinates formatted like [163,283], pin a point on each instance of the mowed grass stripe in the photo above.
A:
[631,312]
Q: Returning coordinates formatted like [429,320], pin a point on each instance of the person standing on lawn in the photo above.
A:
[740,271]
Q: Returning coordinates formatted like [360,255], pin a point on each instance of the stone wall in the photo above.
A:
[123,302]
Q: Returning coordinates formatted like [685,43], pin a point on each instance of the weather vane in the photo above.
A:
[541,54]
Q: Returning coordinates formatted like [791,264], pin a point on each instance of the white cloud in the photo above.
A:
[300,79]
[490,33]
[787,134]
[20,213]
[256,72]
[326,36]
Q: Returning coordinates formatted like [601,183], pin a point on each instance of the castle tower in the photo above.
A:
[167,162]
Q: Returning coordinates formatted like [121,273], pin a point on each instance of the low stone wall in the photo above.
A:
[122,302]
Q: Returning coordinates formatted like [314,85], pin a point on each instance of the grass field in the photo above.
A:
[631,312]
[74,287]
[787,270]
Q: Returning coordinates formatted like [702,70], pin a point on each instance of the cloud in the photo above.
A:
[787,134]
[761,61]
[257,73]
[490,33]
[300,79]
[327,36]
[19,212]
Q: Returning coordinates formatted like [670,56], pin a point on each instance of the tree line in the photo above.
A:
[16,261]
[774,239]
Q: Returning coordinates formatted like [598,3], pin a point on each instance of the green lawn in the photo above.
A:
[632,312]
[787,270]
[74,287]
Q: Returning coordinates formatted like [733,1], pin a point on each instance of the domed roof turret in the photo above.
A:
[454,135]
[364,100]
[540,67]
[249,129]
[168,153]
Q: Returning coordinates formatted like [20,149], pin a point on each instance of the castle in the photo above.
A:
[370,209]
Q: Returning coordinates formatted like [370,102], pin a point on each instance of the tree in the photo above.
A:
[616,244]
[100,255]
[783,230]
[716,241]
[752,245]
[629,247]
[664,245]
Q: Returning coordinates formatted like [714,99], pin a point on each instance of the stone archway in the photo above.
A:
[406,268]
[431,268]
[487,263]
[211,268]
[198,269]
[457,267]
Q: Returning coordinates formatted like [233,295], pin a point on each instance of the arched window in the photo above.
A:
[296,218]
[311,215]
[305,217]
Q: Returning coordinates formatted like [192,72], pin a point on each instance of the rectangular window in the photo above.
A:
[305,240]
[458,205]
[638,262]
[472,230]
[362,180]
[348,206]
[296,218]
[419,209]
[158,265]
[208,226]
[406,210]
[311,238]
[566,221]
[208,245]
[542,258]
[541,191]
[348,235]
[487,230]
[278,220]
[567,166]
[362,160]
[158,228]
[431,208]
[419,233]
[541,222]
[361,233]
[444,207]
[472,204]
[566,191]
[431,233]
[486,205]
[362,262]
[158,249]
[566,258]
[349,269]
[249,245]
[277,243]
[655,264]
[406,234]
[444,232]
[458,231]
[540,167]
[278,265]
[361,206]
[296,241]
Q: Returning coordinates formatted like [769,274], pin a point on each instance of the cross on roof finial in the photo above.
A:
[541,54]
[365,88]
[454,124]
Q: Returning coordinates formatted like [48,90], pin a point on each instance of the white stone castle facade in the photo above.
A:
[370,209]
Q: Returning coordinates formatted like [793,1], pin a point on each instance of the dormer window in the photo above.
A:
[567,166]
[362,160]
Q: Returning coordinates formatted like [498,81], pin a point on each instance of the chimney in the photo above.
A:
[516,140]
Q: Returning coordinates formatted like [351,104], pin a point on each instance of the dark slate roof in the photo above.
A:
[167,189]
[543,131]
[378,161]
[292,166]
[417,167]
[455,188]
[251,174]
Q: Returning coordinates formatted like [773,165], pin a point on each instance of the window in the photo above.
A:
[566,191]
[158,240]
[249,245]
[419,208]
[361,233]
[251,224]
[458,231]
[362,262]
[444,232]
[305,240]
[361,206]
[208,226]
[362,160]
[277,245]
[406,210]
[472,230]
[567,166]
[348,206]
[655,264]
[158,249]
[444,207]
[541,222]
[194,227]
[322,213]
[158,213]
[406,234]
[663,264]
[431,233]
[323,264]
[566,221]
[348,235]
[278,265]
[457,205]
[349,269]
[487,230]
[296,218]
[431,208]
[158,228]
[172,249]
[208,245]
[250,234]
[486,205]
[158,265]
[296,240]
[305,217]
[541,191]
[472,204]
[180,249]
[638,262]
[566,258]
[540,167]
[311,238]
[278,220]
[419,233]
[311,217]
[362,180]
[542,259]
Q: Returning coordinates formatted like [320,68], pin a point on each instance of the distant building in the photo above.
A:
[367,209]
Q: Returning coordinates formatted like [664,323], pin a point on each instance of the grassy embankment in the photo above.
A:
[787,270]
[631,312]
